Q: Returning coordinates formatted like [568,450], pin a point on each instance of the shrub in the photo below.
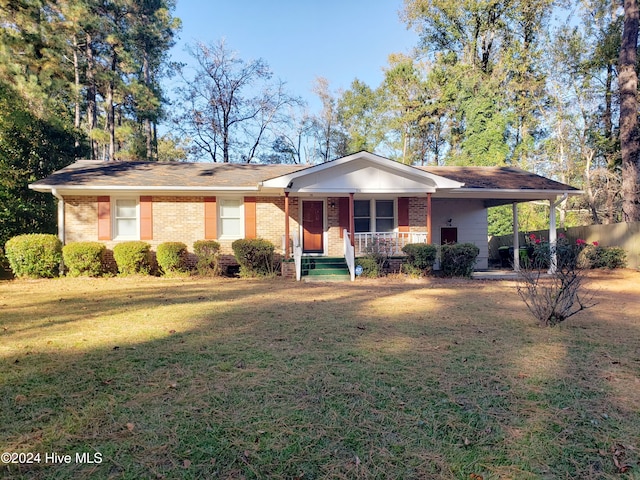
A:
[554,296]
[596,256]
[34,255]
[372,265]
[172,257]
[376,257]
[255,257]
[420,256]
[458,260]
[133,257]
[208,254]
[84,258]
[4,263]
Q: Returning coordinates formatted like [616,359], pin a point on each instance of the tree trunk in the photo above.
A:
[148,131]
[110,106]
[92,111]
[629,139]
[608,95]
[76,93]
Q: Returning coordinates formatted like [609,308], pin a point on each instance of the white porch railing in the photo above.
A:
[349,254]
[388,243]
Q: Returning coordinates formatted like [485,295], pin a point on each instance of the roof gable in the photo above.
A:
[361,172]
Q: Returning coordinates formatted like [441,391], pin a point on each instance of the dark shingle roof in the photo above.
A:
[87,173]
[509,178]
[151,174]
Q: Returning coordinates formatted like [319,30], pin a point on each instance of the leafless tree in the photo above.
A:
[229,107]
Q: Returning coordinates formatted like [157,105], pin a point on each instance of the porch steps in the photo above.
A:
[325,269]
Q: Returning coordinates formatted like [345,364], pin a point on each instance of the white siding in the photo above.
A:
[469,217]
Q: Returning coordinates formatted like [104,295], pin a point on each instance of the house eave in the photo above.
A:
[503,193]
[138,188]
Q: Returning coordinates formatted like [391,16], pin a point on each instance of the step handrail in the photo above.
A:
[297,256]
[349,254]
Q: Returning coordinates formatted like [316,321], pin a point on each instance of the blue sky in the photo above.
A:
[302,39]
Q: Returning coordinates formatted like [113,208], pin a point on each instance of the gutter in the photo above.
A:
[154,188]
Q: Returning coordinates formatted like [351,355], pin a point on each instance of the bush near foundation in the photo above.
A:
[133,257]
[255,257]
[172,257]
[421,256]
[208,254]
[84,259]
[458,260]
[372,266]
[36,255]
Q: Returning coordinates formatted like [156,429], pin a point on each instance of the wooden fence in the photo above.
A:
[625,235]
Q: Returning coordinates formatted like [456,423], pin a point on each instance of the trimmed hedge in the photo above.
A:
[255,257]
[34,255]
[133,257]
[208,254]
[458,260]
[172,257]
[84,258]
[421,256]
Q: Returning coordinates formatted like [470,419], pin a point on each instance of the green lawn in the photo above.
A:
[273,379]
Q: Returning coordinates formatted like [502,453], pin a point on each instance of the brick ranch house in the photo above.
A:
[335,209]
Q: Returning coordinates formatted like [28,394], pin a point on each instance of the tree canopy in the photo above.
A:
[549,86]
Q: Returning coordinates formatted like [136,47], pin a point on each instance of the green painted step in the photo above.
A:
[325,267]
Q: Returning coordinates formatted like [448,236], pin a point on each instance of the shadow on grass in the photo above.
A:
[274,379]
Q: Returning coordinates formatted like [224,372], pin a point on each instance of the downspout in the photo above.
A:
[61,225]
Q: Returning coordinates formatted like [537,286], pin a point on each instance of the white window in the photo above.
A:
[125,219]
[374,215]
[231,218]
[362,215]
[385,221]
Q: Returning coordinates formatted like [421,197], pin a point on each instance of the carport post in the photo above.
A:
[516,238]
[429,236]
[553,234]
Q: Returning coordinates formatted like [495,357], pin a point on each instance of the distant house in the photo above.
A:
[335,209]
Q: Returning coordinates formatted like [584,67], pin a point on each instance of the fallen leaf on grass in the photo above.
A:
[618,458]
[130,426]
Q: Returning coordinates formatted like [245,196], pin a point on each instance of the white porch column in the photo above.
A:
[286,225]
[429,214]
[553,238]
[516,238]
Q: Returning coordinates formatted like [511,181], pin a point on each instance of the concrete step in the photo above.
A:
[326,278]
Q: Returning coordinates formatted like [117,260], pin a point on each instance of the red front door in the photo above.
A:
[312,226]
